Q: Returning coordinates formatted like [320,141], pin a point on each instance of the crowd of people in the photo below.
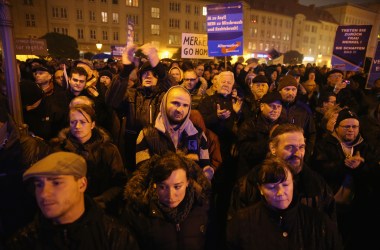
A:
[142,153]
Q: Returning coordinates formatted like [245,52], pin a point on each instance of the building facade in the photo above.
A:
[282,25]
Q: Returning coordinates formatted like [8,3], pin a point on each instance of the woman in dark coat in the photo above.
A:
[278,221]
[167,204]
[106,173]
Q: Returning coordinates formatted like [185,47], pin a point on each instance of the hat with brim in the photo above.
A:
[59,163]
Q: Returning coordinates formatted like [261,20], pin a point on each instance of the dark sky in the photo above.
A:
[328,2]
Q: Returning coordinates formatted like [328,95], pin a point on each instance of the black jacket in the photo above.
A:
[152,228]
[297,227]
[313,191]
[93,230]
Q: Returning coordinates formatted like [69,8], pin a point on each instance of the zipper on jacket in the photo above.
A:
[177,227]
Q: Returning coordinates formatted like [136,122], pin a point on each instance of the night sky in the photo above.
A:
[329,2]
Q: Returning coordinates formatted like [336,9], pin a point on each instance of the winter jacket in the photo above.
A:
[253,140]
[149,223]
[93,230]
[313,191]
[105,170]
[297,227]
[161,138]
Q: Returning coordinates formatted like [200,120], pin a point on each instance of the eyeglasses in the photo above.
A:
[347,127]
[190,79]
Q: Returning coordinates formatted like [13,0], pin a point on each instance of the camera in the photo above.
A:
[139,54]
[347,82]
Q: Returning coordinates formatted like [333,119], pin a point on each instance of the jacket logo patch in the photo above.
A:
[192,145]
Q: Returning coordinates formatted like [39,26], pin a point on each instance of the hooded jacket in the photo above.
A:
[149,223]
[158,140]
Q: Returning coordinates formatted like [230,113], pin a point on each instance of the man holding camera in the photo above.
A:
[138,107]
[345,96]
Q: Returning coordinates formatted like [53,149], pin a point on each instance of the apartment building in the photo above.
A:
[282,24]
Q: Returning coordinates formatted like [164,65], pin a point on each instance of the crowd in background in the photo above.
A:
[239,131]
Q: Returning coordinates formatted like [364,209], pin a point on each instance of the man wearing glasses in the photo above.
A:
[351,168]
[192,82]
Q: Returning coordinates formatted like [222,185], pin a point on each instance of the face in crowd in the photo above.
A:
[199,70]
[291,148]
[149,79]
[172,191]
[60,197]
[271,111]
[176,74]
[77,83]
[225,83]
[288,93]
[259,89]
[81,124]
[348,129]
[190,80]
[177,106]
[42,77]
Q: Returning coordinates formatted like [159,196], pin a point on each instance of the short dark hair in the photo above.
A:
[165,165]
[273,170]
[78,70]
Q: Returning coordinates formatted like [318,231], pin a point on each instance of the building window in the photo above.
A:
[115,1]
[30,20]
[133,3]
[115,17]
[92,34]
[280,23]
[28,2]
[269,20]
[188,9]
[155,29]
[263,18]
[155,12]
[103,1]
[116,36]
[80,33]
[104,17]
[105,35]
[79,15]
[174,23]
[204,11]
[196,10]
[187,25]
[63,13]
[196,26]
[313,29]
[92,15]
[174,40]
[306,39]
[174,7]
[55,12]
[133,18]
[312,40]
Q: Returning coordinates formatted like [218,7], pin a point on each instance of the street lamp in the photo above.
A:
[99,45]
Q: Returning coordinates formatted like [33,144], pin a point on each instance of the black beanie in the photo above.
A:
[105,73]
[345,114]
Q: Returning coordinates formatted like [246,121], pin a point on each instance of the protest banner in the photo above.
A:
[225,29]
[194,46]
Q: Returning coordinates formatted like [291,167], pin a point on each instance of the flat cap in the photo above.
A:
[59,163]
[260,79]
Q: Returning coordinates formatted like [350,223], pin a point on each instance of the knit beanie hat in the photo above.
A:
[287,81]
[105,73]
[345,114]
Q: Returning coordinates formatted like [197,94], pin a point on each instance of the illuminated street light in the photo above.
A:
[99,45]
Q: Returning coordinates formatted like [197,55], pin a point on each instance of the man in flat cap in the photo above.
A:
[68,218]
[350,167]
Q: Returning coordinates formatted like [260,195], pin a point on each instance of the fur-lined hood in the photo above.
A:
[139,187]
